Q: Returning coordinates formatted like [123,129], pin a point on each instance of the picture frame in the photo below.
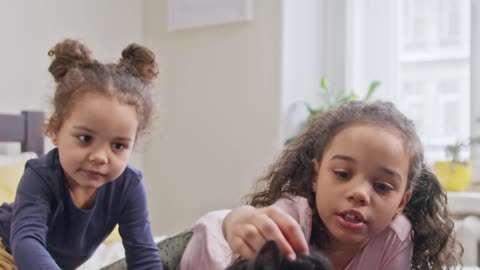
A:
[185,14]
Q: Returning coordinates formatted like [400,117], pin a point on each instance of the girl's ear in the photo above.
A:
[52,134]
[404,201]
[53,138]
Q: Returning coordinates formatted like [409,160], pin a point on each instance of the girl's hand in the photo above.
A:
[247,228]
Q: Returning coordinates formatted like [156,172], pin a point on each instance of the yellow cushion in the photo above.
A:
[10,175]
[114,236]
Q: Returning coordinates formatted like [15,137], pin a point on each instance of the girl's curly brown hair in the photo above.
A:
[435,246]
[76,73]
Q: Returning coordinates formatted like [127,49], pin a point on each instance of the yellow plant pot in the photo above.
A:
[453,176]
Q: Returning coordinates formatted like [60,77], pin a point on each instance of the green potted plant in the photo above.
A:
[455,173]
[331,99]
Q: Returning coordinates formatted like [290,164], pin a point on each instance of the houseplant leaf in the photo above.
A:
[331,99]
[373,87]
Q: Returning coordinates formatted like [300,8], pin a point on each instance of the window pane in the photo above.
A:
[434,70]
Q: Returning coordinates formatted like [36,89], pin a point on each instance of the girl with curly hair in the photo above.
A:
[355,185]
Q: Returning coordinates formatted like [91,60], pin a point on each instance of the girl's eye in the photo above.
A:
[85,138]
[119,146]
[382,187]
[342,174]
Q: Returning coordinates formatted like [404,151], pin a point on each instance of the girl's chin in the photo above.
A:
[91,184]
[348,237]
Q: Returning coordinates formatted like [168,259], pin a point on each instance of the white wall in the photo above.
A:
[30,28]
[219,118]
[303,28]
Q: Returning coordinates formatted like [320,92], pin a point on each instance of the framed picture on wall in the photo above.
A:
[184,14]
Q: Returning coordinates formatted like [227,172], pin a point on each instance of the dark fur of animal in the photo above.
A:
[269,258]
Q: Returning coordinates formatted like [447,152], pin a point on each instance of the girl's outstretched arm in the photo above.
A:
[29,223]
[134,227]
[209,249]
[247,228]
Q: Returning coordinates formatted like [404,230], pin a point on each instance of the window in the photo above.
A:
[420,51]
[434,70]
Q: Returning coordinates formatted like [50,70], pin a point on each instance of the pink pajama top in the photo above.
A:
[208,249]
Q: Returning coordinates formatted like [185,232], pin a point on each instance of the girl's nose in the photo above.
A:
[99,156]
[360,193]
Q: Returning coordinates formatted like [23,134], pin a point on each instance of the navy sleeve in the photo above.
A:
[134,226]
[29,223]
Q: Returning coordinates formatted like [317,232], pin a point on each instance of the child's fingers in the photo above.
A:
[247,229]
[253,236]
[270,230]
[241,247]
[291,230]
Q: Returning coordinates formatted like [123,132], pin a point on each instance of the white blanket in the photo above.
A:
[107,254]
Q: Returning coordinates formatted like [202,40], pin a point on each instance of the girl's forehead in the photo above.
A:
[101,110]
[368,144]
[370,134]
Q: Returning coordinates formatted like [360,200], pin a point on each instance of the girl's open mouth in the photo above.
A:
[351,219]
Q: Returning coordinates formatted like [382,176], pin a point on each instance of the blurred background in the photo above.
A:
[233,73]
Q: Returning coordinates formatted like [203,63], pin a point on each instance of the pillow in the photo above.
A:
[11,171]
[21,157]
[9,177]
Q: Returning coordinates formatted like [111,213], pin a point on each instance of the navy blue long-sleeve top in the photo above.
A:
[43,229]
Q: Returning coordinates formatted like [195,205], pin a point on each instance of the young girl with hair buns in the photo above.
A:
[354,185]
[69,200]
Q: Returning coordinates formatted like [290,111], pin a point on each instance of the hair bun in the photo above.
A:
[142,60]
[68,54]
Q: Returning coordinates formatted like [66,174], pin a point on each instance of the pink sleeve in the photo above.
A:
[402,259]
[298,208]
[207,249]
[399,248]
